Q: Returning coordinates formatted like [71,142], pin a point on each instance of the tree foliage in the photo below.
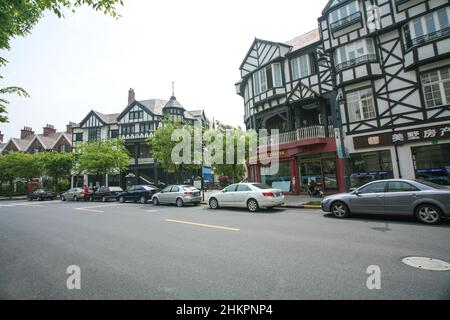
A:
[20,165]
[55,165]
[102,157]
[18,17]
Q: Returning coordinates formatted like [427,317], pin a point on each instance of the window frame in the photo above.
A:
[413,38]
[359,101]
[341,63]
[297,70]
[440,84]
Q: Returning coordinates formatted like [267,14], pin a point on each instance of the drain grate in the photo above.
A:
[427,263]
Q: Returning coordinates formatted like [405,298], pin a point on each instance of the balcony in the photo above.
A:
[406,4]
[346,22]
[301,134]
[356,61]
[427,37]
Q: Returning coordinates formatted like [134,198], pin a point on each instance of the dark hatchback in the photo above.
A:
[41,194]
[141,193]
[105,194]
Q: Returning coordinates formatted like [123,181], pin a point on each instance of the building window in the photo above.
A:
[345,16]
[354,53]
[78,136]
[370,166]
[432,163]
[436,87]
[301,67]
[37,149]
[144,151]
[260,81]
[146,127]
[128,129]
[360,105]
[276,75]
[136,115]
[94,134]
[281,180]
[428,27]
[246,92]
[114,133]
[63,148]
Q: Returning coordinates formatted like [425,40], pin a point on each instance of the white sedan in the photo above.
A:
[250,195]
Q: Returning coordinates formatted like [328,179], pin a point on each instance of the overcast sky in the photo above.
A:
[89,61]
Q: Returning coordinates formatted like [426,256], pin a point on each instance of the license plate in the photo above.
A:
[196,194]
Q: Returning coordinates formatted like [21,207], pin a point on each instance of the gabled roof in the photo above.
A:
[304,40]
[330,4]
[49,142]
[108,118]
[257,41]
[20,144]
[155,106]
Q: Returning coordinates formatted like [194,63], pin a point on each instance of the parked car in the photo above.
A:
[141,193]
[427,201]
[105,194]
[74,194]
[247,195]
[41,194]
[178,194]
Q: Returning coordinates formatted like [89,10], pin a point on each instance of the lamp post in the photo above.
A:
[337,118]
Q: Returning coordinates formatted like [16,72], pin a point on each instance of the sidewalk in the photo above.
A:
[13,198]
[299,202]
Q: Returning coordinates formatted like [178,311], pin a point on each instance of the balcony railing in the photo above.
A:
[300,134]
[353,62]
[427,37]
[346,22]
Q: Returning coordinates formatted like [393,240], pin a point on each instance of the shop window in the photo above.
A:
[432,163]
[280,180]
[370,166]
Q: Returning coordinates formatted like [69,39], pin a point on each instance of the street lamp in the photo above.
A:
[337,118]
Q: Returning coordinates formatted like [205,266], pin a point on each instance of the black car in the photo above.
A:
[105,194]
[41,194]
[141,193]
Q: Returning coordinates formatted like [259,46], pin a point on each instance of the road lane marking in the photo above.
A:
[151,210]
[203,225]
[93,208]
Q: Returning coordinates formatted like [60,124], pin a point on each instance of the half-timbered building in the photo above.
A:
[391,59]
[135,124]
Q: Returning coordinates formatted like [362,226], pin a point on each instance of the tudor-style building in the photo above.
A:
[284,88]
[135,124]
[392,65]
[390,60]
[49,140]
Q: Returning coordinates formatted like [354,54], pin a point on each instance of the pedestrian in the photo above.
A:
[86,193]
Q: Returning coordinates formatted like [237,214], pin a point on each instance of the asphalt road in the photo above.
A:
[134,251]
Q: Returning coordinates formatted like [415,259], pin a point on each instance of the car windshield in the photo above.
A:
[262,186]
[431,184]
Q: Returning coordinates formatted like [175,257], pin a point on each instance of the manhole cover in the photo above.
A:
[427,263]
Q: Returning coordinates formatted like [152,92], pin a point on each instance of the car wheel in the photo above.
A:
[142,200]
[63,198]
[155,201]
[30,199]
[340,210]
[180,202]
[428,214]
[40,199]
[122,200]
[103,199]
[75,198]
[213,203]
[252,205]
[91,199]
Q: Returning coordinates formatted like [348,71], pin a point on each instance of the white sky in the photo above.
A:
[89,61]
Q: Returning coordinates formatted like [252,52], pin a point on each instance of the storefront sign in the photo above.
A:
[268,155]
[402,137]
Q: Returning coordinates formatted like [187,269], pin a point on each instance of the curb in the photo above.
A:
[300,206]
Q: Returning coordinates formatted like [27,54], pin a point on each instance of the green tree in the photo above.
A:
[18,17]
[102,157]
[235,170]
[56,165]
[162,146]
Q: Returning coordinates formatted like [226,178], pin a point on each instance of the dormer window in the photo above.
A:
[345,16]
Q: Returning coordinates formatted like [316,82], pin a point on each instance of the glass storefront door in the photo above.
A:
[310,170]
[432,163]
[321,171]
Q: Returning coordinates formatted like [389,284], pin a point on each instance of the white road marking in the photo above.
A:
[151,210]
[92,208]
[203,225]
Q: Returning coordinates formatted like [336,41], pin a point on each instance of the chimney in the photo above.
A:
[131,96]
[1,137]
[69,128]
[26,132]
[48,130]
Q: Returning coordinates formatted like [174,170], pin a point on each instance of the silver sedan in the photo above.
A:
[73,194]
[247,195]
[177,194]
[427,201]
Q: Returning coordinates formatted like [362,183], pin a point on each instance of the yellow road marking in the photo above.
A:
[203,225]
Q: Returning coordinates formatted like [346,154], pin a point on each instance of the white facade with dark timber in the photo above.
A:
[391,59]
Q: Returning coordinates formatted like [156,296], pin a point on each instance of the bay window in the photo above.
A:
[354,53]
[345,15]
[436,87]
[428,27]
[301,67]
[360,105]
